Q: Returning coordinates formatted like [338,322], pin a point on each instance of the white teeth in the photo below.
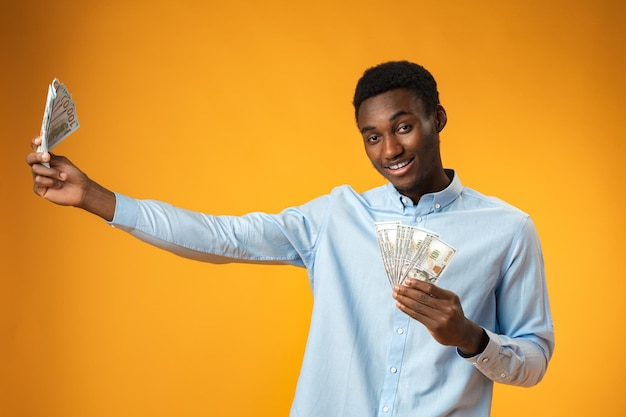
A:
[398,166]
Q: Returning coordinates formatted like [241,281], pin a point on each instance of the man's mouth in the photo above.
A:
[399,165]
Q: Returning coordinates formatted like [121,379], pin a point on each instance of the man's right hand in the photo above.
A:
[64,184]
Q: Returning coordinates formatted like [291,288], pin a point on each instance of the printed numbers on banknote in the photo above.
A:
[59,117]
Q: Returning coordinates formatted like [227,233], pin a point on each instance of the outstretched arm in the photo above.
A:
[64,184]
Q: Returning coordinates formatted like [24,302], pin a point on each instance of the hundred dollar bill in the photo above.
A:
[59,117]
[416,250]
[386,234]
[409,251]
[428,266]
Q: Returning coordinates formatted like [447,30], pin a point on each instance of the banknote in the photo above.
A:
[59,117]
[432,260]
[412,252]
[387,236]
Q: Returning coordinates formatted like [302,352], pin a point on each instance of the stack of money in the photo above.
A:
[59,117]
[411,252]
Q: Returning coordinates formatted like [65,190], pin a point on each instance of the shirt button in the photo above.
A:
[485,360]
[437,206]
[386,409]
[419,219]
[400,330]
[503,375]
[393,370]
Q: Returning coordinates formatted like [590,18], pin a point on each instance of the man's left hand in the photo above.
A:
[441,312]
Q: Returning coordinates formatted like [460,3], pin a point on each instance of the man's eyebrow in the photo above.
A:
[366,128]
[398,114]
[393,117]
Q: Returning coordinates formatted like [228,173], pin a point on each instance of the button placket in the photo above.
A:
[394,364]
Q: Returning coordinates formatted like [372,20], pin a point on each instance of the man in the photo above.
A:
[427,350]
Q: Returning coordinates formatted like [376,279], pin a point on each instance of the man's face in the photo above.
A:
[402,141]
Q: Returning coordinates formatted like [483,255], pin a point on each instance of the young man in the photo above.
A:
[426,350]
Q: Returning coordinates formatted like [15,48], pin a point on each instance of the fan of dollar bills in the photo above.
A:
[409,251]
[59,117]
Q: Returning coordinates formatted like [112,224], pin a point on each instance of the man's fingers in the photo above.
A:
[41,181]
[423,286]
[39,169]
[414,300]
[38,158]
[35,142]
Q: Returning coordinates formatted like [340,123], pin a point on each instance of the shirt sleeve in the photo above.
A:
[512,361]
[519,350]
[284,238]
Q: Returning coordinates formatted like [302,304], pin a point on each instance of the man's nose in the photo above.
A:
[392,148]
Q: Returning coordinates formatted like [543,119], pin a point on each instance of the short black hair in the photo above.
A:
[397,74]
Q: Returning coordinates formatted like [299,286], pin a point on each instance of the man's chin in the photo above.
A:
[406,189]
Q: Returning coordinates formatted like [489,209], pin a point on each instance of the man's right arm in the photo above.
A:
[284,238]
[64,184]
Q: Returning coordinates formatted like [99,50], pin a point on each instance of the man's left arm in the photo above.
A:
[517,353]
[518,360]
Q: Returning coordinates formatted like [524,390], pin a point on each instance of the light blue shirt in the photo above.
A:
[364,357]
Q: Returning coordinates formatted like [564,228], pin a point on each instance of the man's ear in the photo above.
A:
[441,118]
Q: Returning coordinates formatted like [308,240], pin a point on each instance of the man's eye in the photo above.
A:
[404,128]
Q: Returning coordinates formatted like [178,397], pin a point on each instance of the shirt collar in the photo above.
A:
[435,200]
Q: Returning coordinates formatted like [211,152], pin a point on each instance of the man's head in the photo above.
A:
[393,75]
[399,117]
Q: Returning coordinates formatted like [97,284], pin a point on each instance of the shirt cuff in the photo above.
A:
[491,350]
[487,360]
[126,212]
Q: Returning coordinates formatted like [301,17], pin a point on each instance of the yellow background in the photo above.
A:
[230,107]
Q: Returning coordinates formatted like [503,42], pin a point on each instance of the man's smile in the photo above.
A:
[399,165]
